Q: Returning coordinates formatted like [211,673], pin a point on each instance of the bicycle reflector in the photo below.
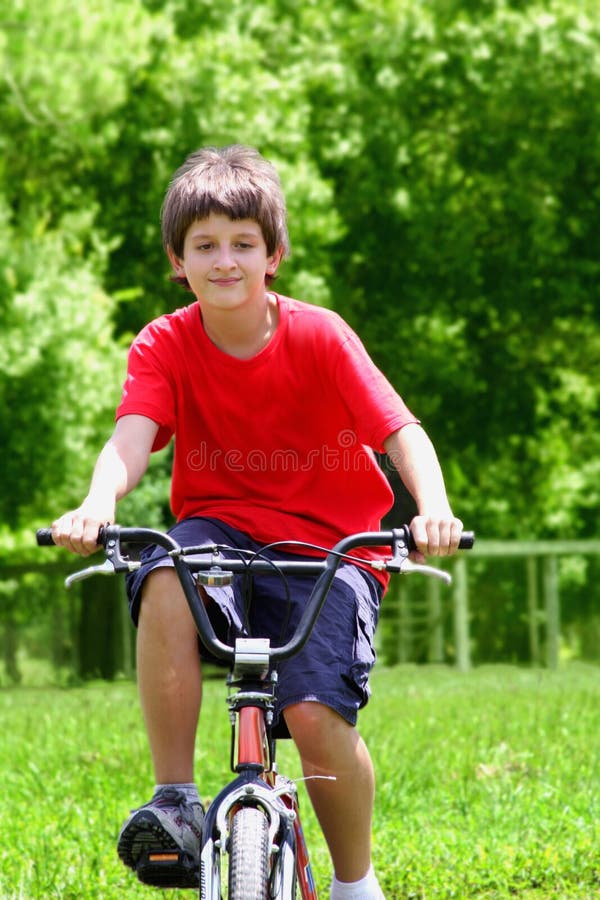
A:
[215,577]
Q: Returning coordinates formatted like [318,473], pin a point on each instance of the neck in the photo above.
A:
[242,333]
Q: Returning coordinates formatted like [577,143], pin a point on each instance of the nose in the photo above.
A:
[224,260]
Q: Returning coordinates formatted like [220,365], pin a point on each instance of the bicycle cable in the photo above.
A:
[246,557]
[256,554]
[326,551]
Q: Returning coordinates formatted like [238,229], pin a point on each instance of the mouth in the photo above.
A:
[224,282]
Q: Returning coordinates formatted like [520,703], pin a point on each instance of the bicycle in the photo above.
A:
[254,821]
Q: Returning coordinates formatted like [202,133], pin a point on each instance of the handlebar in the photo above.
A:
[207,559]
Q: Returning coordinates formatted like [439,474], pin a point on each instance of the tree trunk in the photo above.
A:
[11,645]
[101,638]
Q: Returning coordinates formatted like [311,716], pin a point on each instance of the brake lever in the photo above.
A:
[115,564]
[408,567]
[401,564]
[107,568]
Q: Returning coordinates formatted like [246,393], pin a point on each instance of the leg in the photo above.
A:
[169,676]
[161,839]
[328,745]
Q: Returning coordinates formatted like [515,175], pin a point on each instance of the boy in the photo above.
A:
[275,406]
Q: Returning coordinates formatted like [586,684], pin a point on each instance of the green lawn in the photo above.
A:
[488,785]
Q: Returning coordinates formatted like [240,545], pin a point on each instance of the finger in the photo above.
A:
[433,537]
[74,538]
[456,531]
[450,530]
[436,535]
[61,532]
[89,540]
[74,533]
[418,528]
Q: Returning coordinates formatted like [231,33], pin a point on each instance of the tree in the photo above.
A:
[59,366]
[464,162]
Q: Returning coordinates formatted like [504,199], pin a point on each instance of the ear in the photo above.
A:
[274,260]
[176,262]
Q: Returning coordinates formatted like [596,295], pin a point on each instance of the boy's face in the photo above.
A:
[225,261]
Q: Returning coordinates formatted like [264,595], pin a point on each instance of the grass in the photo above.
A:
[488,785]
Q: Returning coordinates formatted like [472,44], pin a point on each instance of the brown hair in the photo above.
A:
[235,181]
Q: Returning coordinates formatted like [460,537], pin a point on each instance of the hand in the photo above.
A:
[78,530]
[435,535]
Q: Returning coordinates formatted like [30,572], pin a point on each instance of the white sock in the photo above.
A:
[365,889]
[190,791]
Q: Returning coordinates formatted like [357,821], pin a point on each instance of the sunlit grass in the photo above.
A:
[487,785]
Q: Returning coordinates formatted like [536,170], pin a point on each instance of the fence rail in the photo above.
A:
[543,599]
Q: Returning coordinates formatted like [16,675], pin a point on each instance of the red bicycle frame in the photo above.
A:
[254,750]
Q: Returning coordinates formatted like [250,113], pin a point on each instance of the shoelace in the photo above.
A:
[172,797]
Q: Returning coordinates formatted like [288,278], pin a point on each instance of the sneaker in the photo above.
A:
[161,841]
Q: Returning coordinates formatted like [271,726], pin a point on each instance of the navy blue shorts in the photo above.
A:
[334,666]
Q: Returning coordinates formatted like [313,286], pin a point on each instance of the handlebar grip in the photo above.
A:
[44,537]
[467,539]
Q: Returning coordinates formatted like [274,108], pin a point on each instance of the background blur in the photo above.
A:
[441,162]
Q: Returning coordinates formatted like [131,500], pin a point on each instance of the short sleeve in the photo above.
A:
[374,405]
[149,387]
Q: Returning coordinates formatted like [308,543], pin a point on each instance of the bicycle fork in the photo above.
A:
[259,786]
[287,853]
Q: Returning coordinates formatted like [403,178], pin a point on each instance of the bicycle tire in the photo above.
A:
[249,855]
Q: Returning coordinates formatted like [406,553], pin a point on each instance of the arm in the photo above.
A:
[119,468]
[435,529]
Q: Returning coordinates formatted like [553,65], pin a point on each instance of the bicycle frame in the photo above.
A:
[258,784]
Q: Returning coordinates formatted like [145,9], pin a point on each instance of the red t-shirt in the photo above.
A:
[279,445]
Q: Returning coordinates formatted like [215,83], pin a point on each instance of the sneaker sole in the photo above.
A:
[151,852]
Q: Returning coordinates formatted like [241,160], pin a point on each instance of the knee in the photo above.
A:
[317,729]
[160,581]
[163,600]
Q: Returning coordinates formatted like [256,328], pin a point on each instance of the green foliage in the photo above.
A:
[465,170]
[59,108]
[59,365]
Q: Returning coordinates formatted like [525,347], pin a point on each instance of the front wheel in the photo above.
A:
[249,855]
